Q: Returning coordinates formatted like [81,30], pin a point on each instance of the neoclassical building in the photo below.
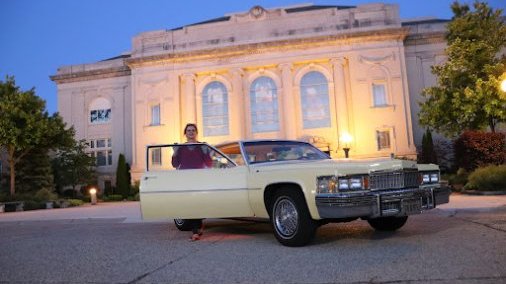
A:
[336,76]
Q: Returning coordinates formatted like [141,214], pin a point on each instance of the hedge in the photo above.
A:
[474,149]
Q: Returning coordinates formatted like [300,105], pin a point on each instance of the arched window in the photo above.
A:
[215,109]
[314,100]
[100,111]
[264,105]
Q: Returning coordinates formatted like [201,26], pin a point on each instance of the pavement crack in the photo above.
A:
[478,223]
[142,276]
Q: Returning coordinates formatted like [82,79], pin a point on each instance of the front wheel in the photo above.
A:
[182,225]
[290,218]
[388,223]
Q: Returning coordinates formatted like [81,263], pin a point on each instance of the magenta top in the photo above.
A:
[191,157]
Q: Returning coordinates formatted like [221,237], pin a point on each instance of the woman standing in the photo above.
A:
[192,157]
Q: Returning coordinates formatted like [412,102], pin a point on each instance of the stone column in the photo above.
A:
[288,101]
[188,100]
[238,112]
[340,95]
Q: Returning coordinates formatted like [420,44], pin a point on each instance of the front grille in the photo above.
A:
[347,201]
[393,180]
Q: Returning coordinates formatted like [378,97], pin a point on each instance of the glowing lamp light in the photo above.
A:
[346,139]
[93,195]
[503,85]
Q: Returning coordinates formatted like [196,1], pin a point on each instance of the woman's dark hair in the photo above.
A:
[190,125]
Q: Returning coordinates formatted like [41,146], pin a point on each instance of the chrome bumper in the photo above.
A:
[399,202]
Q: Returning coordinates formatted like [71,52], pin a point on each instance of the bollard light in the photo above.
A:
[93,195]
[346,138]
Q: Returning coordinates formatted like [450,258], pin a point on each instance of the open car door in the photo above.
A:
[192,181]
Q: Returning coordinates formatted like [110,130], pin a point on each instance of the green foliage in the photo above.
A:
[33,205]
[25,125]
[34,172]
[45,195]
[467,94]
[73,166]
[113,197]
[428,154]
[122,181]
[491,178]
[475,149]
[458,180]
[75,202]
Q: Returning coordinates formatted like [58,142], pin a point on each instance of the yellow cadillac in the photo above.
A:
[292,183]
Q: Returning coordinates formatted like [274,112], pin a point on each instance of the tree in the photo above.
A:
[467,94]
[428,152]
[25,125]
[122,182]
[34,172]
[73,166]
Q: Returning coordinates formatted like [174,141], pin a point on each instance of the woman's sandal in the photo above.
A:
[195,237]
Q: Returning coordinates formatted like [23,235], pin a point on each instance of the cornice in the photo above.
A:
[91,75]
[266,47]
[425,38]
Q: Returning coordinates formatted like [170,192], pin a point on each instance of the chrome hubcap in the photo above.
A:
[286,218]
[179,222]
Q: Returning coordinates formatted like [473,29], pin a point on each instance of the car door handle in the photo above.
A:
[149,177]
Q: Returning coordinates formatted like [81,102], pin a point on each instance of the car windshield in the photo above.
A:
[275,151]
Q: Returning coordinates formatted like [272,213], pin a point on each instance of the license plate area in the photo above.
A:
[411,206]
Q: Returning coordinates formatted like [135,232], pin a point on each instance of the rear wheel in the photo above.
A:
[388,223]
[290,218]
[182,225]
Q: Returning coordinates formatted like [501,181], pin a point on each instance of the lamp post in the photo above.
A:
[346,139]
[93,195]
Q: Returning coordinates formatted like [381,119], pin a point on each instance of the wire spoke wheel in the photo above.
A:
[286,217]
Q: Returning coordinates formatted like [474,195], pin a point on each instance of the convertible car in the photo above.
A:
[292,183]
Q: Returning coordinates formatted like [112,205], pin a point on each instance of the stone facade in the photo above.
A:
[314,73]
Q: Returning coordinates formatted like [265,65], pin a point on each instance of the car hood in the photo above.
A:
[341,167]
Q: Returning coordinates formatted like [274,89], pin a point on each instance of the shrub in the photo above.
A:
[75,202]
[113,197]
[122,182]
[475,149]
[69,193]
[491,178]
[33,205]
[45,195]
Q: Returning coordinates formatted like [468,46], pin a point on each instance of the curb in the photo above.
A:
[478,192]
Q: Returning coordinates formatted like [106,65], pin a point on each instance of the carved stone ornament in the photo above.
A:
[257,11]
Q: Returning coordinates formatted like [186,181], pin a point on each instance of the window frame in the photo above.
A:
[223,113]
[378,136]
[324,102]
[258,125]
[385,94]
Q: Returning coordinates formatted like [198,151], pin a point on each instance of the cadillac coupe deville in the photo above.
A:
[292,183]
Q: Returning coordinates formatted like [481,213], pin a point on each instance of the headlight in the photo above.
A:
[333,184]
[429,177]
[326,184]
[349,183]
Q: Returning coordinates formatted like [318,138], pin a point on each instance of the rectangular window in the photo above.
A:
[379,95]
[383,139]
[100,115]
[155,115]
[101,159]
[156,156]
[101,150]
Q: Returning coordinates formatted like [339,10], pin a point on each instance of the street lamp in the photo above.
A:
[93,195]
[503,85]
[346,139]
